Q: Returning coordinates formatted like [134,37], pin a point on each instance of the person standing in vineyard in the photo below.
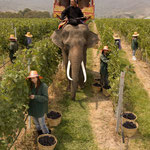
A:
[28,40]
[134,44]
[13,47]
[38,104]
[117,41]
[104,68]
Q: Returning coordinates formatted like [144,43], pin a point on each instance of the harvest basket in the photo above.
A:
[53,122]
[96,87]
[128,119]
[130,132]
[42,147]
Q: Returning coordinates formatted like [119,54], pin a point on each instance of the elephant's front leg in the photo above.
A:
[65,62]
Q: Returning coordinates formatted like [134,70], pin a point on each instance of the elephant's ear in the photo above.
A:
[56,38]
[92,39]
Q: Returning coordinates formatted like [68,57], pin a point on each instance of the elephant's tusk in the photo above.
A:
[68,70]
[84,71]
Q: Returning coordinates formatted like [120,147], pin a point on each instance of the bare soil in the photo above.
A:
[102,116]
[141,68]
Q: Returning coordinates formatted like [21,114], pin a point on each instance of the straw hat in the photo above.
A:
[34,74]
[135,34]
[116,36]
[105,48]
[12,37]
[28,34]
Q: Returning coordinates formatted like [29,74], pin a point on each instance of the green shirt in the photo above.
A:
[134,44]
[104,60]
[39,105]
[13,46]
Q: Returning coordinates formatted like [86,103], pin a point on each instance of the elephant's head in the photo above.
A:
[74,41]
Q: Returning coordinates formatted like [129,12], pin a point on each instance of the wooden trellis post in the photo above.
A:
[29,118]
[119,110]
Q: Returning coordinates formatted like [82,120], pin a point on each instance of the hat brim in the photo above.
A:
[105,50]
[135,35]
[29,35]
[116,38]
[13,38]
[40,77]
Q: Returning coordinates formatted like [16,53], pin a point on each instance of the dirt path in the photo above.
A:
[141,68]
[102,116]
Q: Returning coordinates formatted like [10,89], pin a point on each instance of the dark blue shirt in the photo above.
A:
[71,12]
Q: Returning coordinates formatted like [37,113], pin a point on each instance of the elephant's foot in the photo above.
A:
[81,86]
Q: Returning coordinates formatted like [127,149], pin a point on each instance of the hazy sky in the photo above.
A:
[102,7]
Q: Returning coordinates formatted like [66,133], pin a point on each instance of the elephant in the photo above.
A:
[74,41]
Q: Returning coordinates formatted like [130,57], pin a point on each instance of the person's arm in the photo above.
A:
[80,13]
[11,47]
[16,46]
[64,13]
[136,43]
[104,59]
[44,97]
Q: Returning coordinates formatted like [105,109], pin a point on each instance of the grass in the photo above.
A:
[136,100]
[75,131]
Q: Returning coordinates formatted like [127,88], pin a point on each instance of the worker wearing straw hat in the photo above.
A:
[28,40]
[38,105]
[134,44]
[104,68]
[13,47]
[117,41]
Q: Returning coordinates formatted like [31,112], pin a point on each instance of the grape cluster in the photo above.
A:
[53,115]
[47,141]
[129,125]
[129,116]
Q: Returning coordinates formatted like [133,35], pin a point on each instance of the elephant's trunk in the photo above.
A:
[75,68]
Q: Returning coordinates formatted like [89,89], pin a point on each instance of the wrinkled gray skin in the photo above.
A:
[74,41]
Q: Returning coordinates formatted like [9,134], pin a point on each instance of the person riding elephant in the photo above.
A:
[74,41]
[72,12]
